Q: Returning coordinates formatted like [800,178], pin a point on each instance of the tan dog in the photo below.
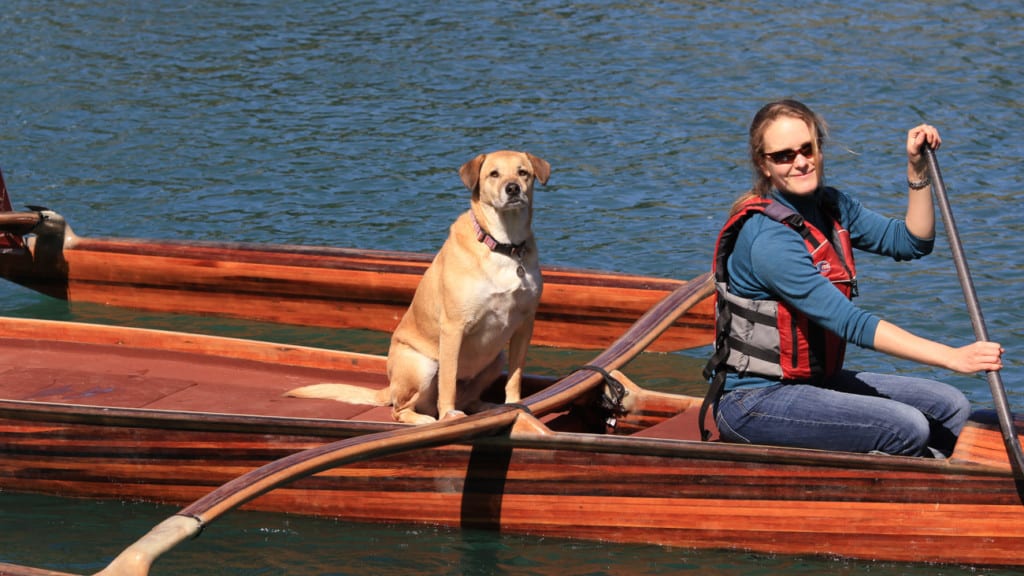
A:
[480,294]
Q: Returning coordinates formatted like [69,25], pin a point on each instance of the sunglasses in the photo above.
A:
[788,156]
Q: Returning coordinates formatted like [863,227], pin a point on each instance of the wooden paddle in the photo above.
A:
[137,559]
[995,382]
[189,522]
[18,223]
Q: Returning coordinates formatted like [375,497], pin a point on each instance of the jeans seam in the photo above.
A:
[851,425]
[723,424]
[739,401]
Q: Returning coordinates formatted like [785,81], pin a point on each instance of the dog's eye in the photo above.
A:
[494,174]
[523,173]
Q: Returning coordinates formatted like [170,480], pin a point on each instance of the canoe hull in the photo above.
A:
[664,492]
[324,287]
[111,412]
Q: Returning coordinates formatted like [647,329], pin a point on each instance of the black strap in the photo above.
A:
[716,369]
[753,315]
[521,406]
[613,403]
[715,389]
[754,352]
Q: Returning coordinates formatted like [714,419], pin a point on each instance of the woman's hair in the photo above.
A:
[764,117]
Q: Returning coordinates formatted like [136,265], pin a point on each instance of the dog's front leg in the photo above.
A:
[449,349]
[518,346]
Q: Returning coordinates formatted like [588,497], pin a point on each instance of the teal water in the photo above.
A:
[344,124]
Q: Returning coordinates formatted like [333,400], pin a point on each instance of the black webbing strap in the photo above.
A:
[715,370]
[613,402]
[714,393]
[520,406]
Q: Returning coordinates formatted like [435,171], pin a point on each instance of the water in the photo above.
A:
[344,123]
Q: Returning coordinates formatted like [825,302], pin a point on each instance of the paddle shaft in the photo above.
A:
[137,559]
[995,382]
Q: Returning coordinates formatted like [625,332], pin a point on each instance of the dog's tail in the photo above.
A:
[344,393]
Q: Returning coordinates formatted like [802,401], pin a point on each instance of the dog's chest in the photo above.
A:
[512,294]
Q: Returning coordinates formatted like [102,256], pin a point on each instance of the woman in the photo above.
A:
[785,274]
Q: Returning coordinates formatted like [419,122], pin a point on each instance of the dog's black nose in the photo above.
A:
[512,189]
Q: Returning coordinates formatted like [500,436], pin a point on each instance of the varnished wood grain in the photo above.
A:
[329,287]
[108,412]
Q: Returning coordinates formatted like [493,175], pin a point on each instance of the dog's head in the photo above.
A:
[504,179]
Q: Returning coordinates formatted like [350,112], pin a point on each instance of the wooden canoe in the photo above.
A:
[109,412]
[309,286]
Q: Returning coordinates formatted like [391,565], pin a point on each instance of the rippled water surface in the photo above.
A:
[344,124]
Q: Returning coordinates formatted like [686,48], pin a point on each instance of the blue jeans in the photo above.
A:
[852,412]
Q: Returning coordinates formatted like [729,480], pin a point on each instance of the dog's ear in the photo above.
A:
[470,173]
[541,168]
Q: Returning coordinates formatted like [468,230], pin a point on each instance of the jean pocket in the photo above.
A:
[733,411]
[745,399]
[726,433]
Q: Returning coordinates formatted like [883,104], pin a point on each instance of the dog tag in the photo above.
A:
[520,271]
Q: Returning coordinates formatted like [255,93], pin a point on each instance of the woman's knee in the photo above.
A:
[908,435]
[959,410]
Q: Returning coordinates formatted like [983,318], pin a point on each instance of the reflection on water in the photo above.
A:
[83,536]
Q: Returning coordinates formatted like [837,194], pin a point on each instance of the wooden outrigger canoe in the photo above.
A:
[308,286]
[109,412]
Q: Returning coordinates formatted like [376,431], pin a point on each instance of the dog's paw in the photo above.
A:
[452,414]
[415,418]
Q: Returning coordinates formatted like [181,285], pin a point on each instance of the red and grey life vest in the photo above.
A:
[770,338]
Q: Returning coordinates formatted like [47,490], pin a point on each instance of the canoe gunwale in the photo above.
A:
[366,259]
[729,452]
[518,439]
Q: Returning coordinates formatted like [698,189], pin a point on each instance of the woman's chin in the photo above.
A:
[802,186]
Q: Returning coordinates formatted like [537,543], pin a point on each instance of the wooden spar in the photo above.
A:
[18,223]
[995,381]
[645,331]
[138,558]
[187,523]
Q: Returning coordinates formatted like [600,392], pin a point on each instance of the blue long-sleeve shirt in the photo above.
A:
[771,261]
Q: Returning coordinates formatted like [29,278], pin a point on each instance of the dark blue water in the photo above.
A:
[344,124]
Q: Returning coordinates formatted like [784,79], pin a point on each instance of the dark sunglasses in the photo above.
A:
[788,156]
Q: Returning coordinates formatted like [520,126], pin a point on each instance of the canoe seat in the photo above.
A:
[682,426]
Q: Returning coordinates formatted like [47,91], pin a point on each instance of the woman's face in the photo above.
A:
[790,171]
